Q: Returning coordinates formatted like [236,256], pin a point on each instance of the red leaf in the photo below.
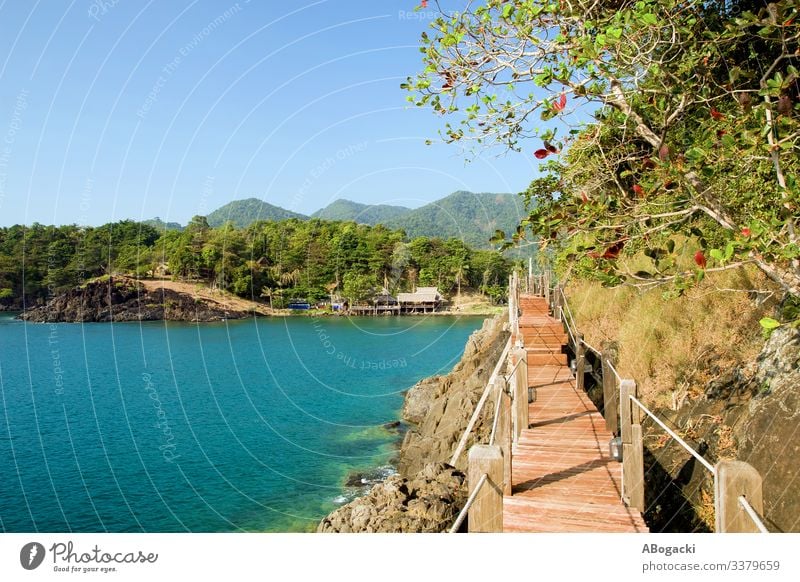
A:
[541,154]
[648,164]
[613,251]
[717,115]
[560,103]
[700,259]
[584,197]
[663,153]
[423,4]
[746,231]
[550,147]
[638,190]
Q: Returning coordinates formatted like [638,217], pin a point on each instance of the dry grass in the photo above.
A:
[705,509]
[670,346]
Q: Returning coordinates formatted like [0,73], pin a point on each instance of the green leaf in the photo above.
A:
[728,251]
[650,19]
[769,323]
[716,254]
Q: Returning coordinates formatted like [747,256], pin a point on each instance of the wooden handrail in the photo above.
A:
[479,406]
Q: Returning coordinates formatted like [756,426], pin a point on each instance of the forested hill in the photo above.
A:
[243,213]
[468,216]
[271,261]
[362,213]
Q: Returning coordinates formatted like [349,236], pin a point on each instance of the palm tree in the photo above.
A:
[460,272]
[267,292]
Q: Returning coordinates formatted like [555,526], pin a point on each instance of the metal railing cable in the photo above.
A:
[479,406]
[752,514]
[566,309]
[595,350]
[572,336]
[463,514]
[674,435]
[496,421]
[614,370]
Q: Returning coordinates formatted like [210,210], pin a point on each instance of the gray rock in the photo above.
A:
[768,433]
[429,502]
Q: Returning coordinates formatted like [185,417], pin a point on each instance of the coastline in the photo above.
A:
[122,298]
[426,493]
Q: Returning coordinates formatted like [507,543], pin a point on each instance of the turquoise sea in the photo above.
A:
[235,426]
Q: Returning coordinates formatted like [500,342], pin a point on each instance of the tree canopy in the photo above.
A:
[274,261]
[669,129]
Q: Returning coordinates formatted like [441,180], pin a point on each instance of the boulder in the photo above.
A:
[430,502]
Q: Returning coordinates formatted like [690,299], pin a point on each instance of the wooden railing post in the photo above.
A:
[580,361]
[519,387]
[632,447]
[557,303]
[486,513]
[734,479]
[610,403]
[503,435]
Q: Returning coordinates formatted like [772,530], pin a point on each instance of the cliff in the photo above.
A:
[124,299]
[428,493]
[748,413]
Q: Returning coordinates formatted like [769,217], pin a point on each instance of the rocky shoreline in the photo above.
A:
[121,299]
[427,493]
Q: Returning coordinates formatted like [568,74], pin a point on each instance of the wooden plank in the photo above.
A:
[563,478]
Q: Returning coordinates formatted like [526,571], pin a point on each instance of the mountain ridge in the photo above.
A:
[472,217]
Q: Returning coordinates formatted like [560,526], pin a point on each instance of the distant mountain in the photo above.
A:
[243,213]
[362,213]
[471,217]
[160,225]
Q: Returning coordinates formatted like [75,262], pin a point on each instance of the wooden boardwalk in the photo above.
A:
[563,479]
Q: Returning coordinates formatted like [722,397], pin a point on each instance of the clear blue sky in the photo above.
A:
[133,109]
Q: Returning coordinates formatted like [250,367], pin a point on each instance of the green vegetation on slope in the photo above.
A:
[160,225]
[243,213]
[361,213]
[470,217]
[269,261]
[696,130]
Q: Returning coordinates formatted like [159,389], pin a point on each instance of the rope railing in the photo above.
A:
[595,350]
[508,376]
[465,510]
[572,335]
[734,481]
[566,308]
[752,514]
[614,370]
[675,436]
[479,406]
[495,423]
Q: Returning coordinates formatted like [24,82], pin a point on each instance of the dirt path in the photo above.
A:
[225,300]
